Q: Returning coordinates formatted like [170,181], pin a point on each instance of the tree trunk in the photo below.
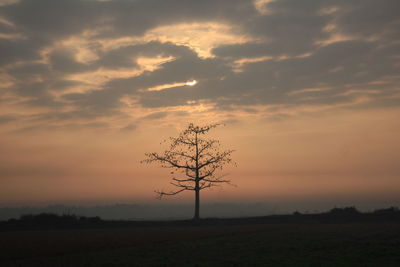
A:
[197,202]
[197,186]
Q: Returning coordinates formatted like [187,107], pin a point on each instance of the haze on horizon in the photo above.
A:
[309,92]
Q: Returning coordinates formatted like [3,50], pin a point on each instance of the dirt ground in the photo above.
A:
[314,244]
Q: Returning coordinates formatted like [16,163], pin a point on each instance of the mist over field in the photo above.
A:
[172,211]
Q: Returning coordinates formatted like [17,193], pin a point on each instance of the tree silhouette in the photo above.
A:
[194,160]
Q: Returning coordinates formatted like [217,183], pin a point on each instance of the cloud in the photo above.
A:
[130,127]
[7,118]
[83,59]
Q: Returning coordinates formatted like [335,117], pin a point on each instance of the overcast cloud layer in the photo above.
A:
[89,63]
[309,91]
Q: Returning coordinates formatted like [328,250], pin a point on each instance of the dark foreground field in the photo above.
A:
[261,244]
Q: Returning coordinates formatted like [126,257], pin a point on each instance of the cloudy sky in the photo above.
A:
[309,92]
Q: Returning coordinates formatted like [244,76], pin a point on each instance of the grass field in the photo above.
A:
[312,244]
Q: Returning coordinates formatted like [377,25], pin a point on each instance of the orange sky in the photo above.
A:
[309,94]
[341,153]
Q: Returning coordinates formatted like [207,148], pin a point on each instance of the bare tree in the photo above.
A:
[194,161]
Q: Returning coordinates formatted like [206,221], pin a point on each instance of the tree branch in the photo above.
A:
[183,180]
[192,156]
[172,193]
[155,157]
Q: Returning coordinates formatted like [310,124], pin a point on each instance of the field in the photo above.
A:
[262,244]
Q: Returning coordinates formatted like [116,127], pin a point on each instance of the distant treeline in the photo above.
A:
[335,215]
[160,211]
[49,221]
[352,211]
[170,211]
[49,218]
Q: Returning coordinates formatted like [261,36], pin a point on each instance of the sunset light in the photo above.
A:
[191,83]
[281,107]
[85,92]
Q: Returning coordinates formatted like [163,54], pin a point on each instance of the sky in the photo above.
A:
[308,91]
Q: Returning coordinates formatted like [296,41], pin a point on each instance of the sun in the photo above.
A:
[191,83]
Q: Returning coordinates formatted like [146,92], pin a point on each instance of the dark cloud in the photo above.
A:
[7,118]
[291,42]
[18,50]
[52,19]
[130,127]
[370,18]
[150,117]
[62,60]
[136,17]
[156,116]
[126,56]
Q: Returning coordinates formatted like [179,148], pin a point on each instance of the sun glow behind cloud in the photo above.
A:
[172,85]
[93,80]
[201,37]
[191,83]
[165,86]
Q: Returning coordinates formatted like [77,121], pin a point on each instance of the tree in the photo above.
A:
[194,157]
